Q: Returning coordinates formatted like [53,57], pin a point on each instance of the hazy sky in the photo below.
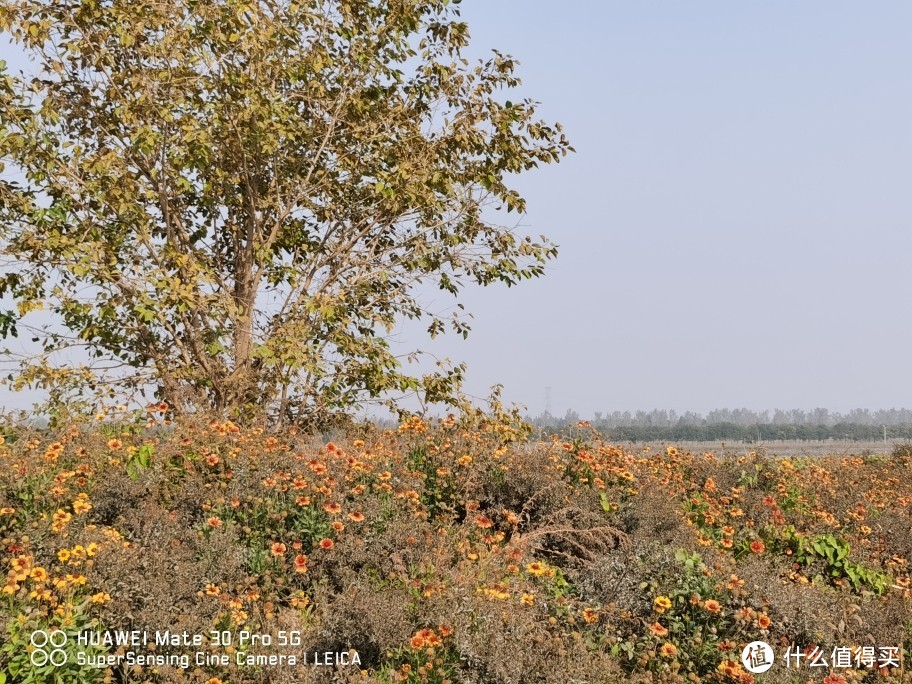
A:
[734,228]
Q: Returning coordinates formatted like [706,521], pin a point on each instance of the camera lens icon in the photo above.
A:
[48,648]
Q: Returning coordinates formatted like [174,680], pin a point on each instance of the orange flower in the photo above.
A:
[763,621]
[445,631]
[424,637]
[356,516]
[300,563]
[668,650]
[212,460]
[338,526]
[326,544]
[214,522]
[114,444]
[483,521]
[590,615]
[712,606]
[658,629]
[332,508]
[279,549]
[757,546]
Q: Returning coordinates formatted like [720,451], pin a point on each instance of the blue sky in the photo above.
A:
[736,225]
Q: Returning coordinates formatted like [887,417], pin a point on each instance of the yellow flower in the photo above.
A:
[527,599]
[668,650]
[661,604]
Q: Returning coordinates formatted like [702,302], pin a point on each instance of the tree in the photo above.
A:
[235,201]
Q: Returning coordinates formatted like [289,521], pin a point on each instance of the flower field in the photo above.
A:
[444,551]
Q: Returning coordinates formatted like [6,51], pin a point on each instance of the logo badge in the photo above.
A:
[757,657]
[48,648]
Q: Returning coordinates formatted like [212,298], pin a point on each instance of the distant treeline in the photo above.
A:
[751,433]
[741,425]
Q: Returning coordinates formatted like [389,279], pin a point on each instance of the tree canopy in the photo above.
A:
[235,201]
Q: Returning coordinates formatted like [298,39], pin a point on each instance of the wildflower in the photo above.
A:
[278,549]
[590,615]
[661,604]
[834,679]
[300,563]
[101,597]
[213,680]
[39,574]
[214,522]
[91,549]
[299,600]
[464,460]
[356,516]
[332,508]
[668,650]
[326,544]
[63,555]
[445,631]
[727,645]
[763,621]
[338,526]
[537,569]
[712,606]
[757,546]
[212,460]
[658,629]
[303,501]
[212,590]
[483,521]
[6,510]
[527,599]
[81,506]
[114,444]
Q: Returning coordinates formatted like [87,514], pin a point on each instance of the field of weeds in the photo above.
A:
[451,551]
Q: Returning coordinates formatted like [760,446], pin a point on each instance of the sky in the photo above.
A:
[734,227]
